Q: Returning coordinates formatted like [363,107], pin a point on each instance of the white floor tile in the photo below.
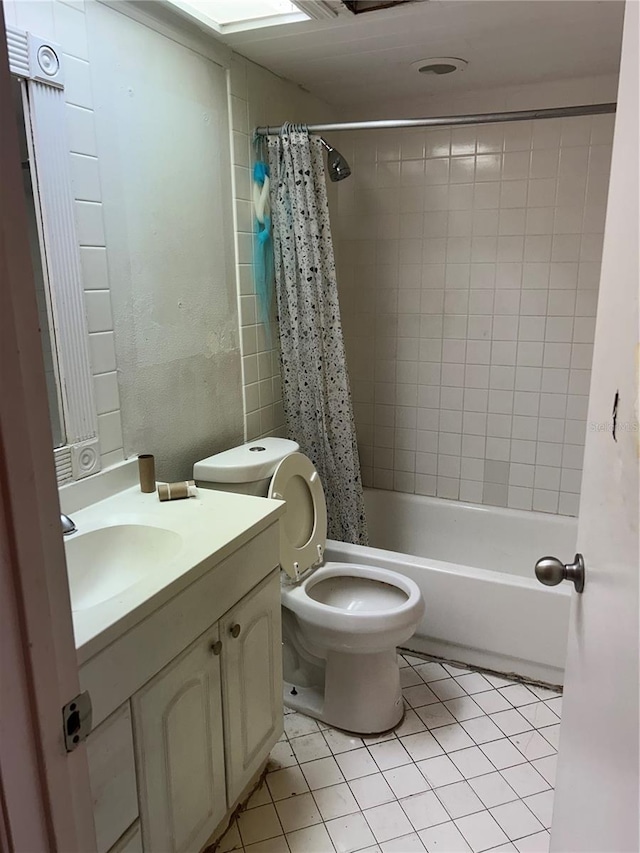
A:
[390,754]
[516,820]
[286,783]
[310,747]
[435,715]
[447,689]
[538,843]
[424,810]
[372,791]
[296,725]
[314,839]
[518,695]
[502,753]
[539,714]
[336,801]
[356,763]
[481,831]
[259,824]
[410,724]
[497,680]
[463,708]
[471,762]
[525,780]
[349,833]
[445,838]
[439,771]
[542,807]
[546,767]
[421,745]
[402,661]
[511,722]
[431,672]
[340,741]
[473,683]
[298,812]
[405,781]
[543,692]
[552,734]
[321,773]
[503,848]
[413,660]
[407,844]
[409,677]
[419,695]
[482,729]
[493,790]
[282,756]
[260,797]
[456,670]
[555,705]
[230,840]
[491,701]
[452,737]
[369,740]
[459,799]
[532,745]
[271,845]
[388,821]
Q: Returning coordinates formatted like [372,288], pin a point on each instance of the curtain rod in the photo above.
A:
[438,121]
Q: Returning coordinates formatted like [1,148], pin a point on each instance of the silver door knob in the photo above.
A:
[550,571]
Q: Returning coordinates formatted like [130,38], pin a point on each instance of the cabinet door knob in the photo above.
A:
[235,630]
[216,647]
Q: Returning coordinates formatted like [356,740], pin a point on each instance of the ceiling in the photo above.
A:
[355,60]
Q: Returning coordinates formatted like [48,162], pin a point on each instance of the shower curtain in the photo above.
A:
[316,394]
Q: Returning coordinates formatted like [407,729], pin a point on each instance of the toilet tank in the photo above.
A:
[246,469]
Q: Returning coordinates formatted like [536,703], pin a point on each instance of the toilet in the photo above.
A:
[341,622]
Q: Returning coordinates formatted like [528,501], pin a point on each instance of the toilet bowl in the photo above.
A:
[341,622]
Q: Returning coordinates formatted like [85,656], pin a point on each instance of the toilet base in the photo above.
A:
[361,694]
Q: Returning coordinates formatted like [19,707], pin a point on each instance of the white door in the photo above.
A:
[252,682]
[596,802]
[180,750]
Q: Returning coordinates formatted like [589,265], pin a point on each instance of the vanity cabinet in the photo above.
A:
[205,723]
[251,639]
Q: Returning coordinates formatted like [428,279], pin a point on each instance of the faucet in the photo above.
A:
[68,525]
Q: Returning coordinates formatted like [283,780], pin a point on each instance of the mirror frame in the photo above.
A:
[38,62]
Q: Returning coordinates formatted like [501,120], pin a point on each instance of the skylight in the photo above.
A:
[230,16]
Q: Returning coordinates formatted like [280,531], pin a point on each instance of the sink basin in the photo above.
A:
[104,563]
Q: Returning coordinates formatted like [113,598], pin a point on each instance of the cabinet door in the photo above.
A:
[252,682]
[180,750]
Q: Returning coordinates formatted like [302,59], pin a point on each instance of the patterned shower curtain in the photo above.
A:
[316,394]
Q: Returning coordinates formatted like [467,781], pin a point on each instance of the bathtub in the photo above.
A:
[475,567]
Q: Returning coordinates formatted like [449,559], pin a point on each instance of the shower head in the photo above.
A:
[339,169]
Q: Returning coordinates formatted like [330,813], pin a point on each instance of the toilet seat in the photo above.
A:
[303,529]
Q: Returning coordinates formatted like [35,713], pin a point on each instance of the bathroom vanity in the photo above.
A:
[183,667]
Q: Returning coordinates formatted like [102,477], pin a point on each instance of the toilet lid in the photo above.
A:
[303,529]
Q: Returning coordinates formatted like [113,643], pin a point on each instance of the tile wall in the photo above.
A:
[64,23]
[469,264]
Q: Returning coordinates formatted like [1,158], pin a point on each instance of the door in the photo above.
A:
[179,742]
[252,682]
[596,803]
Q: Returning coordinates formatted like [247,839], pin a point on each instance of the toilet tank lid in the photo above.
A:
[255,460]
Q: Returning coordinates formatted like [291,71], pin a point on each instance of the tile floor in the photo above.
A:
[470,768]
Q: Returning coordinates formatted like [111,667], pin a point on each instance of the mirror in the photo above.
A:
[43,294]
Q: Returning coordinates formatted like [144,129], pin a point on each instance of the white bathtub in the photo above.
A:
[475,567]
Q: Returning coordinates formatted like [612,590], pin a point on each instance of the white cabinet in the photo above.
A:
[191,765]
[112,775]
[252,682]
[180,750]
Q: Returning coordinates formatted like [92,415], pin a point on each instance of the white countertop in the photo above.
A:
[212,525]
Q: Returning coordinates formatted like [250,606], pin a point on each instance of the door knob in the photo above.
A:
[550,571]
[216,647]
[235,630]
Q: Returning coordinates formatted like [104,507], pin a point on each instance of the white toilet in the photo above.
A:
[341,622]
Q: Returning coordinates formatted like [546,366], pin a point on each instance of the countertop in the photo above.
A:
[212,525]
